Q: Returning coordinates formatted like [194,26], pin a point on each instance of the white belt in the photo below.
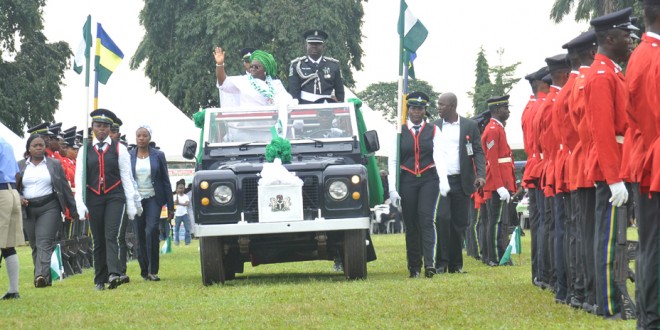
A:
[619,139]
[504,160]
[561,147]
[307,96]
[541,155]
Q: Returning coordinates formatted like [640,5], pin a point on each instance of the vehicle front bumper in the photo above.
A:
[260,228]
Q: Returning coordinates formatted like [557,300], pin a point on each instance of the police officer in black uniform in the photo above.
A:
[315,78]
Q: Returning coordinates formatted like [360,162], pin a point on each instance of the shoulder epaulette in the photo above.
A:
[330,59]
[298,59]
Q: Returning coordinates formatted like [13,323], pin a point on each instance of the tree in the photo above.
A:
[585,10]
[181,34]
[382,97]
[484,88]
[31,69]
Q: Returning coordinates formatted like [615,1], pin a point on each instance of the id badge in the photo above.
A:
[468,146]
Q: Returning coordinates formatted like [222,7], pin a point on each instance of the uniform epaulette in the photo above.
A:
[298,59]
[331,59]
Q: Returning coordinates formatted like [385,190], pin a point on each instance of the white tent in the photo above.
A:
[375,121]
[16,142]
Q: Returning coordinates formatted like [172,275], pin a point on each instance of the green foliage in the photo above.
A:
[300,295]
[181,35]
[585,10]
[382,97]
[31,69]
[484,89]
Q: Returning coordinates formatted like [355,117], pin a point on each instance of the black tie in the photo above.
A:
[99,146]
[416,128]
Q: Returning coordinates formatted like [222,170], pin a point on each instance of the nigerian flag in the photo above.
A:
[56,267]
[167,246]
[411,29]
[513,248]
[83,51]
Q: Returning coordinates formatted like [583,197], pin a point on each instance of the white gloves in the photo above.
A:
[504,194]
[619,194]
[138,204]
[444,187]
[131,211]
[395,199]
[82,210]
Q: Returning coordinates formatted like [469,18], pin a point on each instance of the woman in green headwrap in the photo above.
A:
[260,87]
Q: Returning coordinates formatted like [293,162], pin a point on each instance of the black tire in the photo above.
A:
[210,251]
[355,254]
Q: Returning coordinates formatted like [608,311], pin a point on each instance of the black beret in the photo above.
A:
[616,20]
[315,36]
[496,102]
[247,52]
[584,41]
[557,62]
[417,99]
[103,116]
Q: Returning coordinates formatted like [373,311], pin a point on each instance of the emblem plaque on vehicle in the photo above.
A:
[280,204]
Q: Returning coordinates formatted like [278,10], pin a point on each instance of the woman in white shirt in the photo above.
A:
[45,195]
[261,87]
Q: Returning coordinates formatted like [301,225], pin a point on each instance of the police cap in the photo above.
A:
[496,102]
[103,116]
[557,62]
[41,129]
[418,99]
[116,124]
[585,40]
[315,36]
[547,79]
[616,20]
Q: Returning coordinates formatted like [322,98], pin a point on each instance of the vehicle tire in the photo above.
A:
[355,254]
[210,251]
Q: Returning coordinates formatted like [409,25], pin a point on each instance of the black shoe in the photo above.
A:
[457,271]
[10,295]
[429,272]
[614,317]
[576,302]
[99,287]
[123,278]
[560,301]
[40,282]
[441,270]
[113,281]
[414,273]
[145,277]
[589,308]
[492,264]
[153,277]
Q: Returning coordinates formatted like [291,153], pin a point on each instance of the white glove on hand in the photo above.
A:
[444,187]
[131,211]
[82,211]
[138,204]
[504,194]
[395,199]
[619,194]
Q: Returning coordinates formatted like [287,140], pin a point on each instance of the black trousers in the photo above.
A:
[482,228]
[41,226]
[560,201]
[576,269]
[471,243]
[549,244]
[451,221]
[147,232]
[497,228]
[607,297]
[533,229]
[648,257]
[587,198]
[105,217]
[419,198]
[540,237]
[123,247]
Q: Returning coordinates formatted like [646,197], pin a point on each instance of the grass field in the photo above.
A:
[305,295]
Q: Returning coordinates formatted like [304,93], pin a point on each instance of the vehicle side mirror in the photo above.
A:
[370,139]
[189,148]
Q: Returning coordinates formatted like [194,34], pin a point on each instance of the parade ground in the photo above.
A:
[303,295]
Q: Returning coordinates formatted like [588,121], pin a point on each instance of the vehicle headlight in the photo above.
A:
[338,190]
[223,194]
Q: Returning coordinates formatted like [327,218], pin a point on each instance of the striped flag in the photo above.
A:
[513,248]
[108,55]
[83,53]
[411,29]
[56,266]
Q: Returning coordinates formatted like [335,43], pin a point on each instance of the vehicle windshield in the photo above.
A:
[303,123]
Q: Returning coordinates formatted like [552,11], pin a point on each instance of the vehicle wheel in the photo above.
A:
[355,254]
[210,251]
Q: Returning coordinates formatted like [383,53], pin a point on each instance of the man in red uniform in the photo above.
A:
[500,180]
[607,99]
[642,79]
[583,45]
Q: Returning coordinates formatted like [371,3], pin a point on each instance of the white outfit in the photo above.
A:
[248,96]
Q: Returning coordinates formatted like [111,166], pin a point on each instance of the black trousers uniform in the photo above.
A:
[607,297]
[575,272]
[587,201]
[533,228]
[647,286]
[419,198]
[471,242]
[451,223]
[105,218]
[497,228]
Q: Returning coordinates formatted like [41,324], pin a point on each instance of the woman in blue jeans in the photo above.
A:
[181,213]
[150,172]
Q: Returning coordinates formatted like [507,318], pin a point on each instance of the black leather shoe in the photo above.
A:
[99,287]
[10,295]
[429,272]
[457,271]
[614,317]
[113,281]
[153,277]
[414,273]
[441,270]
[40,282]
[589,308]
[123,278]
[492,264]
[560,301]
[576,302]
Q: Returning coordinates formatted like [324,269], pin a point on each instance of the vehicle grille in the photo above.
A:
[249,189]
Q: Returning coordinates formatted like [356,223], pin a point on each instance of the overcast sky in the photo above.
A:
[447,59]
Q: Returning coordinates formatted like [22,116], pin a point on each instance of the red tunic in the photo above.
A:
[499,160]
[548,141]
[527,137]
[577,177]
[652,162]
[565,132]
[607,100]
[532,169]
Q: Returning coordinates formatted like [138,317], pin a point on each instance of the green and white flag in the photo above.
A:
[167,246]
[83,50]
[513,248]
[411,29]
[56,266]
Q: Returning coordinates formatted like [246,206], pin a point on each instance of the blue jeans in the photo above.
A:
[186,225]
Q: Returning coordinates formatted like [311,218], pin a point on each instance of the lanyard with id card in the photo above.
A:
[468,146]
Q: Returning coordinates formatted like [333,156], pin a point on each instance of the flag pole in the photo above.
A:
[399,103]
[88,56]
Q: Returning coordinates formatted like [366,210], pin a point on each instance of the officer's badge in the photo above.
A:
[326,73]
[280,204]
[490,144]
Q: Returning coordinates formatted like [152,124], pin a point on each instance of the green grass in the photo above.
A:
[298,295]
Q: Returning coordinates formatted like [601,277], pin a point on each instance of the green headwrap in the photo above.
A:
[267,60]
